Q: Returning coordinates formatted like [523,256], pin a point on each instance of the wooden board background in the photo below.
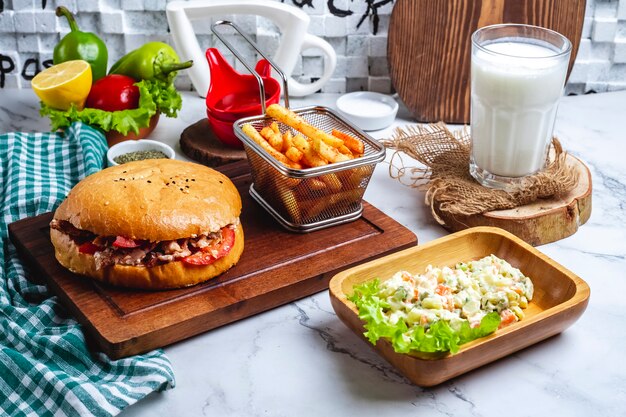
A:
[429,47]
[276,267]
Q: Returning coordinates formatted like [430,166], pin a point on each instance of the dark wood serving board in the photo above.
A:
[429,47]
[276,267]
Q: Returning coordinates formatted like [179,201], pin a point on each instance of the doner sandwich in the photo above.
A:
[150,224]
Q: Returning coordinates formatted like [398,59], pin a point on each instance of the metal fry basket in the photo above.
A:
[303,200]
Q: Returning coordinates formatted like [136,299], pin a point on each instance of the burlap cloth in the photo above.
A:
[446,179]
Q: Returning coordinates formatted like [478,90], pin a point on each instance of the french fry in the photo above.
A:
[345,197]
[301,143]
[303,193]
[292,119]
[294,154]
[316,184]
[309,157]
[351,179]
[287,141]
[351,142]
[332,181]
[267,132]
[274,127]
[290,202]
[352,196]
[327,152]
[256,136]
[274,139]
[316,208]
[346,151]
[313,160]
[295,165]
[281,181]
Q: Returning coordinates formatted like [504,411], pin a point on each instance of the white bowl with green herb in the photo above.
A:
[135,150]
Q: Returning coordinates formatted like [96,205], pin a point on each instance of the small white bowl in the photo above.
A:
[368,110]
[138,145]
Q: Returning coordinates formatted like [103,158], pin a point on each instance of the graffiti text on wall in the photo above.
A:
[32,66]
[371,11]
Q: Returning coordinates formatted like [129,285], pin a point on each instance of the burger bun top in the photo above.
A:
[154,199]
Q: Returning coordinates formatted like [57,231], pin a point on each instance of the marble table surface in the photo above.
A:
[300,360]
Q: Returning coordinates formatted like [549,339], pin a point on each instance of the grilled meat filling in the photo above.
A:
[112,250]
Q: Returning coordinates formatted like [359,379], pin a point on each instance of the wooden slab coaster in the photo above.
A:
[199,143]
[542,222]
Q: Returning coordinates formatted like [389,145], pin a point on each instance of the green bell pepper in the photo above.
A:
[152,61]
[81,45]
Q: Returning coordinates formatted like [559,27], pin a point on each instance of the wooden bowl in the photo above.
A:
[114,137]
[559,300]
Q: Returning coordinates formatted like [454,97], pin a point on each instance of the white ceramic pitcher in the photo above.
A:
[291,21]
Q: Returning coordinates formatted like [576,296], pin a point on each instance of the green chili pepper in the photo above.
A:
[152,61]
[81,45]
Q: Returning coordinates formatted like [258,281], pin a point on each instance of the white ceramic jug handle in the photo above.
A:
[330,62]
[180,14]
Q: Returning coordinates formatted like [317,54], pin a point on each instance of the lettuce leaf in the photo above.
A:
[166,98]
[153,96]
[439,337]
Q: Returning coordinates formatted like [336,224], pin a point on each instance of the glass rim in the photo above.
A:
[567,45]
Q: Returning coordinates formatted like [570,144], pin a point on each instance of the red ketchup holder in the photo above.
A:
[233,96]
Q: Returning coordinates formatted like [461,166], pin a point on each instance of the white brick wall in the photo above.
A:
[29,31]
[600,64]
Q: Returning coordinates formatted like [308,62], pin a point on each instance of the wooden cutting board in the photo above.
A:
[276,267]
[429,47]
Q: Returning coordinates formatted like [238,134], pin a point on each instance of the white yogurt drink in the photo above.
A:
[517,78]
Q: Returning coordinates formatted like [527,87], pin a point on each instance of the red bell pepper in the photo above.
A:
[113,92]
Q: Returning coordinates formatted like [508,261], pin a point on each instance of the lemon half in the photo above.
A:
[64,84]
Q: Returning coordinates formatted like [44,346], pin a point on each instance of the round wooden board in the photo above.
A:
[199,143]
[542,222]
[429,47]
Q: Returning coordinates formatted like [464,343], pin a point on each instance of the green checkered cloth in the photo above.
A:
[45,366]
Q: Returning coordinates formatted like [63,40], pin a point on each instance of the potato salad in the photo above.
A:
[423,311]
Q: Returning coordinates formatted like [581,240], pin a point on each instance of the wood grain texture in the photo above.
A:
[545,221]
[276,267]
[199,143]
[560,299]
[429,47]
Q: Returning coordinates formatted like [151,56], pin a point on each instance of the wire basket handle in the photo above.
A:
[241,59]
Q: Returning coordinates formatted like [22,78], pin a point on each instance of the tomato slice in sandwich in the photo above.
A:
[214,252]
[123,242]
[89,248]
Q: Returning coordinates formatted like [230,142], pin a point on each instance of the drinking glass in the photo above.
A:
[517,77]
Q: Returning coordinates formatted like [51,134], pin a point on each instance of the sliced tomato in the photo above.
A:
[123,242]
[214,252]
[89,248]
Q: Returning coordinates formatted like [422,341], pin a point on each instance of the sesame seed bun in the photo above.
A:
[154,200]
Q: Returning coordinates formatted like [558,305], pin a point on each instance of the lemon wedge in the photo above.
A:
[64,84]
